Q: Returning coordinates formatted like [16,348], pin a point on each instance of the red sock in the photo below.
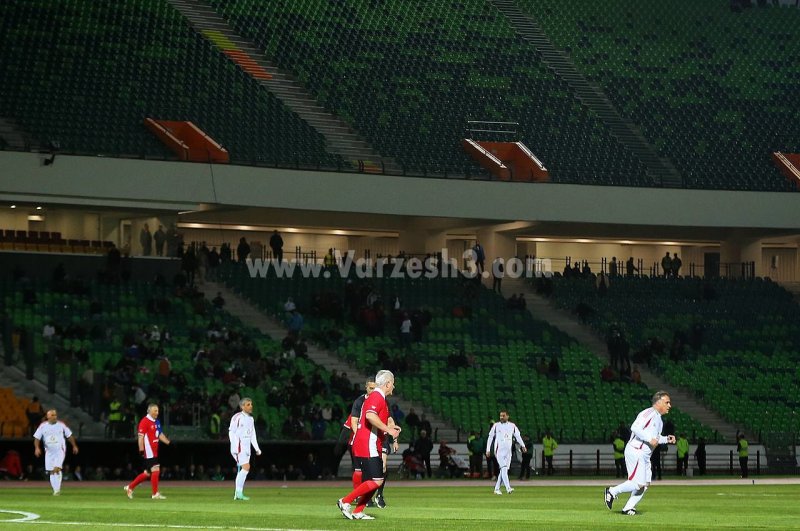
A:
[366,487]
[154,480]
[356,478]
[140,478]
[362,502]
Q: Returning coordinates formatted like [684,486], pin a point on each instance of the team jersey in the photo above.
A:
[501,437]
[646,427]
[368,441]
[242,433]
[53,436]
[149,430]
[355,411]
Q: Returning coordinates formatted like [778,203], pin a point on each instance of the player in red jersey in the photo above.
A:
[149,435]
[368,446]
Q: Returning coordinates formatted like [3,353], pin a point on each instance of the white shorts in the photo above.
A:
[503,459]
[54,458]
[638,464]
[242,458]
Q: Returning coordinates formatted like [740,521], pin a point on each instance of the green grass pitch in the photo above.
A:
[425,507]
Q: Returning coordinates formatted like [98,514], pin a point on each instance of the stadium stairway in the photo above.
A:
[659,168]
[541,308]
[84,426]
[340,138]
[252,316]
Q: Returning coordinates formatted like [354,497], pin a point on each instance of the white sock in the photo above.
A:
[499,481]
[504,475]
[628,486]
[55,482]
[635,498]
[240,477]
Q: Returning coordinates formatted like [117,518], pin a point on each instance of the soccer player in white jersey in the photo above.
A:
[501,440]
[242,433]
[54,434]
[645,438]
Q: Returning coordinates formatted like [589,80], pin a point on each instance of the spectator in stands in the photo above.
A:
[447,466]
[586,271]
[311,470]
[174,241]
[405,330]
[479,255]
[700,456]
[160,238]
[525,461]
[48,330]
[424,447]
[666,265]
[35,414]
[189,264]
[636,376]
[498,272]
[218,302]
[630,268]
[242,250]
[602,283]
[412,422]
[213,259]
[330,260]
[682,449]
[397,414]
[576,269]
[676,265]
[294,323]
[146,240]
[612,267]
[318,427]
[554,369]
[225,254]
[542,367]
[607,374]
[276,244]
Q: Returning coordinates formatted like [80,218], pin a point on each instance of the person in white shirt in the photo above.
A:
[501,441]
[242,434]
[54,434]
[645,438]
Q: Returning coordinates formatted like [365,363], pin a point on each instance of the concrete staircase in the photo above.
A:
[341,139]
[81,423]
[252,316]
[660,169]
[541,309]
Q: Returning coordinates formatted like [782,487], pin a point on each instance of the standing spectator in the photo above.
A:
[498,272]
[630,268]
[549,444]
[35,413]
[55,435]
[612,267]
[700,456]
[242,250]
[475,449]
[424,447]
[646,430]
[602,283]
[189,264]
[146,240]
[160,237]
[150,435]
[276,244]
[405,331]
[479,255]
[619,455]
[425,424]
[742,448]
[218,301]
[682,448]
[225,254]
[500,442]
[666,265]
[525,462]
[676,265]
[294,323]
[412,422]
[242,435]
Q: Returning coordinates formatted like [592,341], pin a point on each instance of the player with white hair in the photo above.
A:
[242,434]
[54,434]
[501,441]
[368,446]
[645,438]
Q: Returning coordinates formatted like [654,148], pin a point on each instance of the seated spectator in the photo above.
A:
[636,376]
[218,301]
[11,466]
[607,374]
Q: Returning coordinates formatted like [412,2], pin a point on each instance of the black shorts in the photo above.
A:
[149,462]
[371,467]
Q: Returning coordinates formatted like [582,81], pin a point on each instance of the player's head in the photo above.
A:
[385,380]
[503,415]
[152,410]
[370,386]
[51,416]
[246,404]
[661,402]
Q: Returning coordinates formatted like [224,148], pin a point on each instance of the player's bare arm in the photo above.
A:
[163,438]
[74,445]
[37,448]
[376,421]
